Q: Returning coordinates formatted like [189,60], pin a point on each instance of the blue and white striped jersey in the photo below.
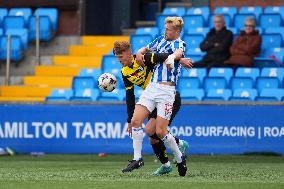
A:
[161,73]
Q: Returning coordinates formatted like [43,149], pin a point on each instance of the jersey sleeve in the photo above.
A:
[130,98]
[154,44]
[153,58]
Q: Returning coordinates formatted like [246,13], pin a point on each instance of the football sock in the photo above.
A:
[170,142]
[137,136]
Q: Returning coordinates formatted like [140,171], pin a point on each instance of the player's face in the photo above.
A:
[170,32]
[125,58]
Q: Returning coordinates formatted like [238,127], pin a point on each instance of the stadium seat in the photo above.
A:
[192,94]
[235,31]
[110,64]
[248,72]
[241,83]
[270,20]
[226,10]
[179,11]
[16,48]
[194,51]
[193,41]
[267,82]
[13,22]
[227,73]
[188,83]
[78,61]
[256,10]
[275,30]
[95,73]
[51,81]
[52,13]
[199,30]
[275,9]
[271,40]
[204,11]
[56,99]
[195,72]
[87,92]
[245,94]
[3,13]
[224,94]
[153,31]
[193,21]
[272,93]
[138,41]
[52,70]
[239,20]
[65,93]
[81,99]
[83,83]
[195,58]
[117,94]
[45,27]
[273,72]
[214,83]
[137,92]
[22,33]
[24,12]
[1,31]
[160,21]
[227,19]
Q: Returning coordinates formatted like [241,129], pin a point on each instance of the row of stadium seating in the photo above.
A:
[20,23]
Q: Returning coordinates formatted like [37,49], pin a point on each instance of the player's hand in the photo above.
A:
[129,129]
[186,63]
[170,61]
[140,58]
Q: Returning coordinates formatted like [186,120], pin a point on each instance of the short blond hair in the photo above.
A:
[176,21]
[120,46]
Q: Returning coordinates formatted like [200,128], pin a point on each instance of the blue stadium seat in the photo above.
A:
[93,94]
[3,13]
[275,30]
[245,94]
[227,73]
[153,31]
[56,99]
[248,72]
[270,20]
[22,33]
[192,94]
[193,21]
[24,12]
[204,11]
[13,22]
[199,30]
[226,10]
[110,64]
[194,51]
[272,93]
[16,48]
[271,40]
[138,41]
[256,10]
[1,31]
[267,82]
[227,19]
[117,95]
[239,20]
[81,99]
[52,13]
[65,93]
[83,83]
[275,9]
[46,32]
[137,92]
[179,11]
[235,31]
[273,72]
[195,58]
[193,41]
[160,21]
[241,83]
[188,83]
[214,83]
[95,73]
[224,94]
[200,73]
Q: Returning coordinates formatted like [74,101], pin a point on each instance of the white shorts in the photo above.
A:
[159,96]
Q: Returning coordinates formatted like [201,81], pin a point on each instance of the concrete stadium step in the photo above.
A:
[50,70]
[49,81]
[141,23]
[24,91]
[22,99]
[78,61]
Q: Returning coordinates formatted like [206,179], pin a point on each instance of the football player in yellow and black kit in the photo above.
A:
[134,74]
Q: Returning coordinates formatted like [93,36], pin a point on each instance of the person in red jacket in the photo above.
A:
[246,46]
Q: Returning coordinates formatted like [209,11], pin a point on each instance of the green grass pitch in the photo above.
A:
[91,171]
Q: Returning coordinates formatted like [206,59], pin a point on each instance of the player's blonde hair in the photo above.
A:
[176,21]
[120,46]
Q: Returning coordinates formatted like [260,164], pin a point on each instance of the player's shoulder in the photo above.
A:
[160,38]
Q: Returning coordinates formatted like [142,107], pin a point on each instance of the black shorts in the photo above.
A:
[176,107]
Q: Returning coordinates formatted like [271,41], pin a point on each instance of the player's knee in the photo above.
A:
[161,132]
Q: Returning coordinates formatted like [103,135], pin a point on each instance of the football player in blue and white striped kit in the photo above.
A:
[160,93]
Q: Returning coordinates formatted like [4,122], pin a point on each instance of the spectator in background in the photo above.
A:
[216,45]
[246,46]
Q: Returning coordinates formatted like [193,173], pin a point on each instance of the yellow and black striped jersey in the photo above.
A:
[140,76]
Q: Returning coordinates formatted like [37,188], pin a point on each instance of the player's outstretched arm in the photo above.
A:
[140,55]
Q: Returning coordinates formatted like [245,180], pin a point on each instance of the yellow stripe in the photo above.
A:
[127,88]
[152,58]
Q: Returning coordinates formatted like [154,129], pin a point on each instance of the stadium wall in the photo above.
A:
[101,128]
